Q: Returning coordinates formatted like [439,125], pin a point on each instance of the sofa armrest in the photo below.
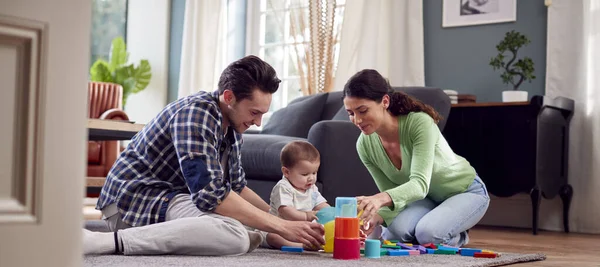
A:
[341,172]
[114,114]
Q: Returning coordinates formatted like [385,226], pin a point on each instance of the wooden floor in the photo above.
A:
[561,249]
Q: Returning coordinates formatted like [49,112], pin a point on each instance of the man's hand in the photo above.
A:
[311,215]
[310,234]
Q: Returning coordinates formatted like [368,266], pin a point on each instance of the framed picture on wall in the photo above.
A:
[474,12]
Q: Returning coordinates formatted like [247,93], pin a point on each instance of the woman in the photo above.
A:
[428,193]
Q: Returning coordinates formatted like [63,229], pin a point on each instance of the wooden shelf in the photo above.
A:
[112,129]
[491,104]
[95,181]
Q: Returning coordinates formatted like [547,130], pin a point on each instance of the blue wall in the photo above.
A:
[176,33]
[458,58]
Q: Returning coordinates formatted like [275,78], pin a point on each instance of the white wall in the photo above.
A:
[148,38]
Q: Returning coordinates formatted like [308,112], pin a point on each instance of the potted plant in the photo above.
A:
[133,78]
[515,71]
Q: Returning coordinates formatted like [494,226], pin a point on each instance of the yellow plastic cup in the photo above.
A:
[329,236]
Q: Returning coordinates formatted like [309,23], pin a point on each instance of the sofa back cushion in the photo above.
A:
[332,105]
[297,118]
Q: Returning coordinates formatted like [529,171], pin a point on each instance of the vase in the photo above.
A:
[514,96]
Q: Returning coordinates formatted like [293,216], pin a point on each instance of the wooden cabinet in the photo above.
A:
[516,147]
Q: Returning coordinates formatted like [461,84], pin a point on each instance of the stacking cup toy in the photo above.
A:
[347,240]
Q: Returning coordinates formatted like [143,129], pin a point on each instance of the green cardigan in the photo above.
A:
[429,166]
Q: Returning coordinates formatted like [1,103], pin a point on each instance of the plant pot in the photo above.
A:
[514,96]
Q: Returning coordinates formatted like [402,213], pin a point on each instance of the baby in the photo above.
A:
[296,197]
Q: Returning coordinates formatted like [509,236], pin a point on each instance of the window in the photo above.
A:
[276,34]
[109,20]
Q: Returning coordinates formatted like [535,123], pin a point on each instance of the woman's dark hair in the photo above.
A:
[246,74]
[369,84]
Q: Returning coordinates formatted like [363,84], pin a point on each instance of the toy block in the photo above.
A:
[414,252]
[398,253]
[395,241]
[390,246]
[404,246]
[444,252]
[421,249]
[291,249]
[408,244]
[487,251]
[431,251]
[383,252]
[387,242]
[484,255]
[448,248]
[430,245]
[468,251]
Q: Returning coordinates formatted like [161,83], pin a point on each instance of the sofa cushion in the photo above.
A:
[260,155]
[341,115]
[297,118]
[333,104]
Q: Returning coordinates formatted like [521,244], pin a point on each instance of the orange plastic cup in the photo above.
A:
[346,228]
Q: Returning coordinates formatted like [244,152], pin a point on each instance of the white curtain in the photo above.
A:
[385,35]
[573,68]
[201,49]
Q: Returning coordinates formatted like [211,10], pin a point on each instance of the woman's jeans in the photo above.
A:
[425,221]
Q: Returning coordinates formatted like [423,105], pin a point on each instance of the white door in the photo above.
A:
[44,57]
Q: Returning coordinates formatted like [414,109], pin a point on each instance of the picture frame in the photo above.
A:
[457,13]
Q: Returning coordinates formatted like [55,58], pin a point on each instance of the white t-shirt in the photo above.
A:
[284,194]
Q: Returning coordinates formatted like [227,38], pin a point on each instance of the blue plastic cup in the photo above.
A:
[372,248]
[345,207]
[326,215]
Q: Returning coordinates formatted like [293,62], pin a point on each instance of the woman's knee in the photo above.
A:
[401,231]
[427,232]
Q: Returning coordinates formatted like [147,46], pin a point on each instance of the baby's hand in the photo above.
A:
[311,215]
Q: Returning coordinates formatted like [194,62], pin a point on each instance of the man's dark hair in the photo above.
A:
[246,74]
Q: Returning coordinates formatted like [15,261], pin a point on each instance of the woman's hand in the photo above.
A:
[371,204]
[367,228]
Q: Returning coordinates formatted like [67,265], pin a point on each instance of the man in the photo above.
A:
[179,187]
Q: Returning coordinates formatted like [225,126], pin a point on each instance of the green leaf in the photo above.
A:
[118,54]
[142,75]
[100,72]
[123,73]
[128,87]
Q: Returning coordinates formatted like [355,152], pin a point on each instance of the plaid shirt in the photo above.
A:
[179,151]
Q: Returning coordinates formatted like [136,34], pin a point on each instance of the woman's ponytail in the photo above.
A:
[402,104]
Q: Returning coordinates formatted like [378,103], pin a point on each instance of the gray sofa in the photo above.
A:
[322,120]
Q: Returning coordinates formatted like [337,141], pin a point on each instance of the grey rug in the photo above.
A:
[265,257]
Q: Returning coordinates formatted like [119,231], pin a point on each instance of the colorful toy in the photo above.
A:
[372,248]
[397,252]
[325,215]
[469,251]
[347,240]
[329,236]
[291,249]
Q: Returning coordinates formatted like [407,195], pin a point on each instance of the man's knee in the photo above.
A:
[228,237]
[235,235]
